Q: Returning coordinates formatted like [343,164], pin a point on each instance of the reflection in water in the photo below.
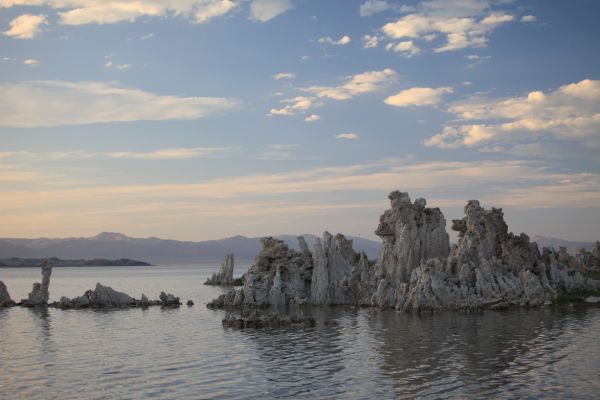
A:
[186,353]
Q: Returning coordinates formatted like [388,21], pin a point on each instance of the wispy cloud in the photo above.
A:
[295,105]
[371,7]
[177,153]
[284,75]
[418,96]
[347,136]
[265,10]
[464,24]
[32,62]
[81,12]
[279,152]
[56,103]
[312,118]
[366,82]
[26,26]
[344,40]
[528,18]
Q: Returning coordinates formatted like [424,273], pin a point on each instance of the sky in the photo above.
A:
[203,119]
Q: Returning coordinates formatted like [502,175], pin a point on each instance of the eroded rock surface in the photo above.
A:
[39,295]
[106,297]
[5,300]
[416,270]
[225,276]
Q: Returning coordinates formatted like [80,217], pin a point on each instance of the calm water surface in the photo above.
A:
[185,353]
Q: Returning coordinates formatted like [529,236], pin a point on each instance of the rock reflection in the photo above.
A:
[457,354]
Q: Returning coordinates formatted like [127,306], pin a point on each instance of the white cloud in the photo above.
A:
[406,48]
[370,41]
[284,75]
[79,12]
[299,104]
[110,64]
[528,18]
[161,154]
[366,82]
[369,81]
[26,26]
[371,7]
[344,40]
[56,103]
[265,10]
[31,62]
[570,113]
[312,118]
[213,10]
[418,96]
[466,23]
[347,136]
[173,153]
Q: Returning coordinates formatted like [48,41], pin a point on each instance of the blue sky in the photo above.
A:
[199,119]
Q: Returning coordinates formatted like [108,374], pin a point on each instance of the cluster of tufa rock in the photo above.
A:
[225,276]
[106,297]
[416,269]
[100,297]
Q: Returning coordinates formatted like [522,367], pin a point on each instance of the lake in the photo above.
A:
[186,353]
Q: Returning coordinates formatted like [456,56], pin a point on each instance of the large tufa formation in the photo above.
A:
[412,234]
[5,300]
[490,267]
[39,295]
[281,277]
[225,276]
[416,270]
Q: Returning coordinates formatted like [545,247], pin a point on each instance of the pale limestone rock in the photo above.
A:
[411,233]
[225,275]
[104,296]
[278,276]
[39,295]
[5,300]
[416,271]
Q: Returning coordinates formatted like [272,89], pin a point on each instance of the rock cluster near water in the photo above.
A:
[416,269]
[101,297]
[39,295]
[5,300]
[225,276]
[106,297]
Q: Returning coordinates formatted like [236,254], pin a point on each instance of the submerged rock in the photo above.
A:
[416,270]
[225,276]
[256,320]
[39,295]
[5,300]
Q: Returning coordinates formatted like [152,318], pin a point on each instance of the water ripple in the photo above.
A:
[186,354]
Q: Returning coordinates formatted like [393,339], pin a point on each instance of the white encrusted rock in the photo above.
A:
[39,295]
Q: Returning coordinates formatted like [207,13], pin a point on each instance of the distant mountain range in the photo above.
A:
[112,245]
[571,247]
